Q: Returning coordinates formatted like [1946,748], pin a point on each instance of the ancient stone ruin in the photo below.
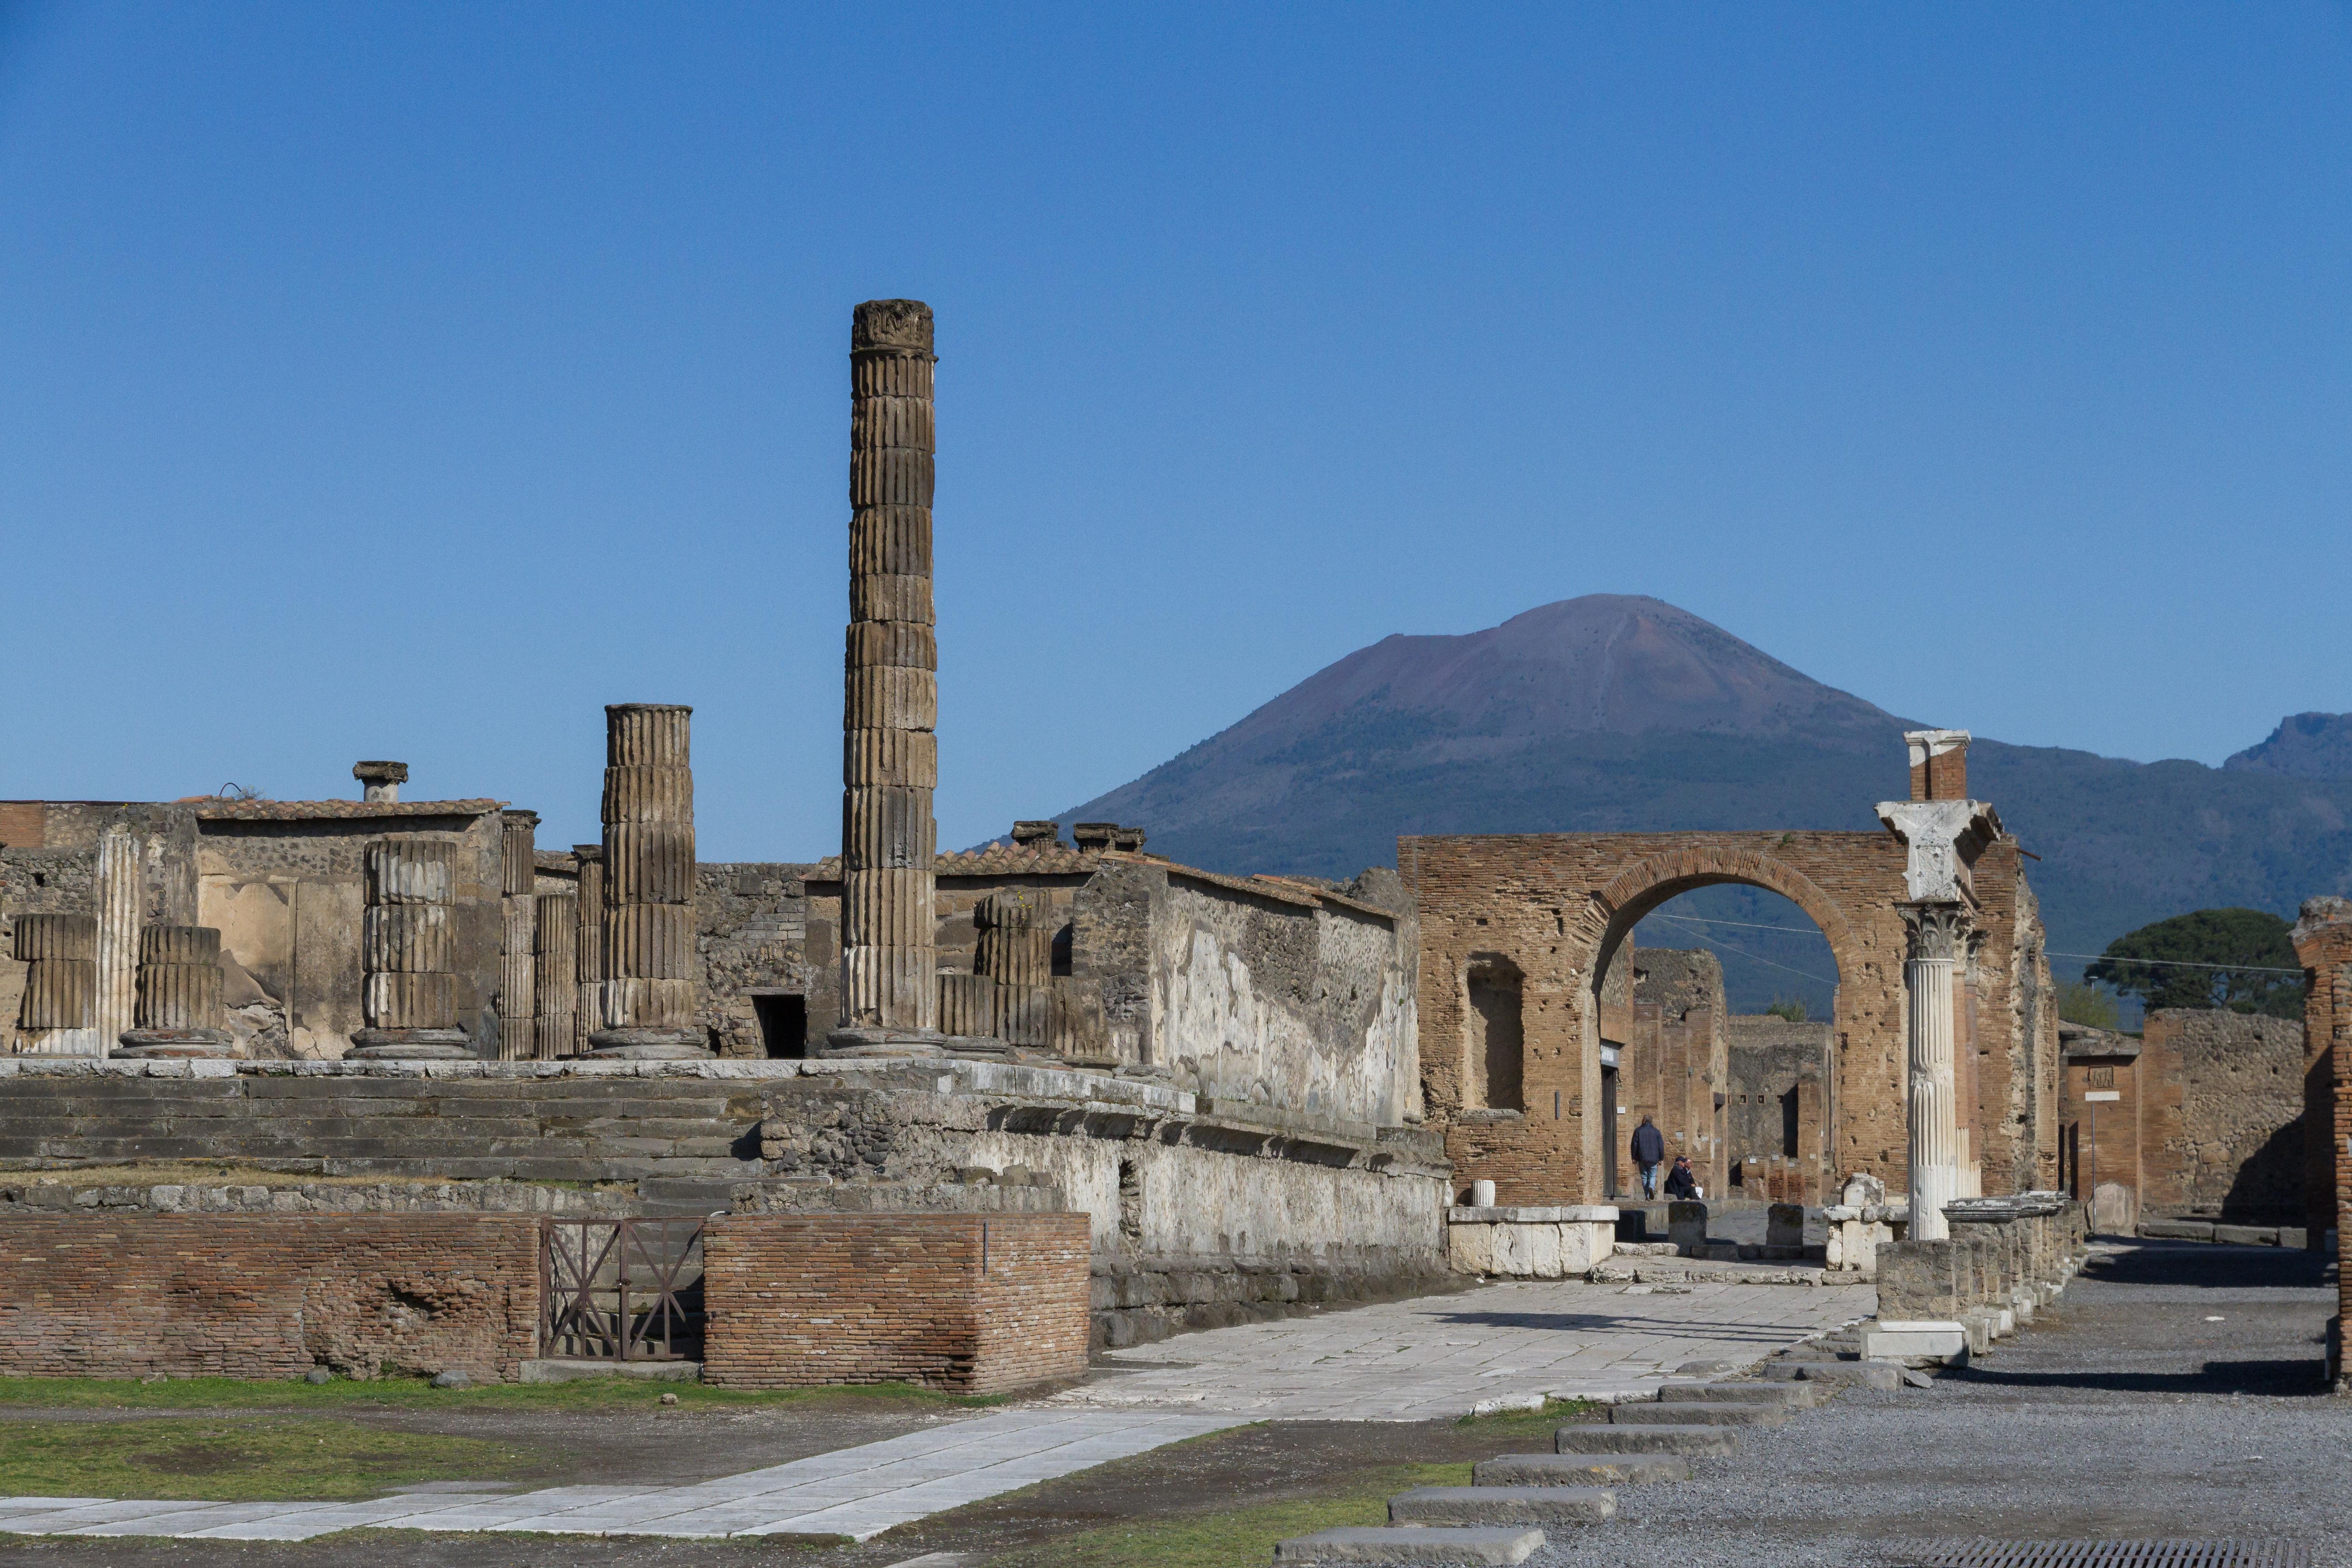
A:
[1183,1098]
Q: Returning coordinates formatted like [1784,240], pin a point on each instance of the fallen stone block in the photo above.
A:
[1473,1545]
[1860,1373]
[2177,1229]
[1502,1505]
[1707,1414]
[1917,1379]
[2246,1234]
[2295,1236]
[1632,1439]
[1578,1470]
[1911,1338]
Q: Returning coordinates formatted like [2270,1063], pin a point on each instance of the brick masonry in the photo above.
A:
[974,1303]
[1557,906]
[130,1294]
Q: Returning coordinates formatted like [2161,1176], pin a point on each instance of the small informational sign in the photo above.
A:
[2104,1094]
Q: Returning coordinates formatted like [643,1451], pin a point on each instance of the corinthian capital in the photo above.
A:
[1938,930]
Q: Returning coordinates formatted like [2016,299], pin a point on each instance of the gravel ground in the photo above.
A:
[2123,1412]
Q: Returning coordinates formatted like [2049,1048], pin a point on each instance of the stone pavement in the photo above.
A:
[1437,1356]
[1434,1357]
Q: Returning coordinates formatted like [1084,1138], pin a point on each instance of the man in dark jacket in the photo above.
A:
[1649,1153]
[1682,1182]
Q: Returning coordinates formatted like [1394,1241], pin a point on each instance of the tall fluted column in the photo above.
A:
[180,1012]
[58,1015]
[648,993]
[518,907]
[589,962]
[1016,950]
[1939,937]
[118,898]
[556,960]
[408,996]
[889,956]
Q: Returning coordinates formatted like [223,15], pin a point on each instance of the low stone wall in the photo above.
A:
[267,1296]
[2005,1255]
[978,1304]
[1200,1218]
[1529,1243]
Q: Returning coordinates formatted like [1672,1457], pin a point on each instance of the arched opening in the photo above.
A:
[1493,1047]
[1716,1001]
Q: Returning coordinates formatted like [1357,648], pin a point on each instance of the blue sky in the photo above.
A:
[411,381]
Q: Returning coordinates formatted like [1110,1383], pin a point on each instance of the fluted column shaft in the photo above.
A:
[117,887]
[56,1015]
[589,962]
[647,998]
[408,989]
[519,972]
[180,1012]
[889,956]
[555,958]
[1938,934]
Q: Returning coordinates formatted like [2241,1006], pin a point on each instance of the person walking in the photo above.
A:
[1649,1153]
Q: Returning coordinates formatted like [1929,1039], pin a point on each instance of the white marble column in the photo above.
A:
[118,900]
[1939,937]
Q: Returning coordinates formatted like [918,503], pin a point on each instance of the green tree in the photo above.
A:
[1793,1008]
[2237,959]
[2083,1003]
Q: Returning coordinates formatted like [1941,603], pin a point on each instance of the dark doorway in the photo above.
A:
[1608,1130]
[783,1024]
[1788,1123]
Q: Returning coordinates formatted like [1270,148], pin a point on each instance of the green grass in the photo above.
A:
[239,1460]
[1241,1535]
[404,1393]
[1528,1423]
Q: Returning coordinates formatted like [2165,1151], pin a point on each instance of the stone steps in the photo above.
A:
[1629,1438]
[1502,1505]
[1796,1396]
[1578,1470]
[1710,1414]
[1444,1545]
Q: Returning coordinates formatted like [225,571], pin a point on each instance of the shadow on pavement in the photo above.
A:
[2273,1378]
[2209,1266]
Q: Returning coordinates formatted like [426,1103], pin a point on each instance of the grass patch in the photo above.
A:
[243,1460]
[1221,1539]
[1518,1423]
[404,1393]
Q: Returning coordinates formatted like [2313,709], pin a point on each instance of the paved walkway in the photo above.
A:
[1437,1356]
[1433,1358]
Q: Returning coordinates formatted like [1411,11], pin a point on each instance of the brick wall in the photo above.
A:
[975,1303]
[1557,905]
[267,1296]
[2323,945]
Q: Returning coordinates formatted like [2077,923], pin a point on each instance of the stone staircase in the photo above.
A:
[1501,1517]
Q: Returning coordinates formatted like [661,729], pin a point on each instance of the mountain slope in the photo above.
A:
[2303,746]
[1612,713]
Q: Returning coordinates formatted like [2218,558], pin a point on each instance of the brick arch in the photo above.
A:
[1612,912]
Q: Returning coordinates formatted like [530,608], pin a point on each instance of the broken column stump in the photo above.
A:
[519,950]
[179,1010]
[555,962]
[647,1004]
[408,996]
[59,1014]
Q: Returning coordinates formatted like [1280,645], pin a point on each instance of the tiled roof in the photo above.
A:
[336,810]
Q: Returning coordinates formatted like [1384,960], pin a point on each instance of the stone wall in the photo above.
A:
[1672,1066]
[970,1303]
[751,935]
[1256,993]
[1780,1075]
[2009,1254]
[2221,1117]
[248,1296]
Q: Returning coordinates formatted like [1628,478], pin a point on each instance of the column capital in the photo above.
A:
[1938,929]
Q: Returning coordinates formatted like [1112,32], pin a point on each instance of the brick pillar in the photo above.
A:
[179,1010]
[117,952]
[589,946]
[408,996]
[1938,934]
[648,999]
[519,952]
[889,956]
[59,1014]
[555,964]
